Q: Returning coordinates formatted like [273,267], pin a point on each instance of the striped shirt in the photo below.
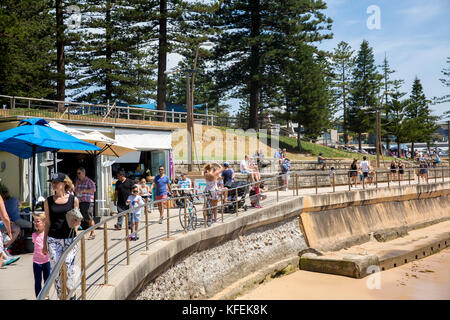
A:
[81,186]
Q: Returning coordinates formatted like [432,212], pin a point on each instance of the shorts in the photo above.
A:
[135,217]
[163,196]
[365,174]
[87,210]
[245,172]
[285,177]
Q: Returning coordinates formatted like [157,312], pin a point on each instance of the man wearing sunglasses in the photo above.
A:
[161,183]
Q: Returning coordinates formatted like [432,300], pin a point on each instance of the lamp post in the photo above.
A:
[378,129]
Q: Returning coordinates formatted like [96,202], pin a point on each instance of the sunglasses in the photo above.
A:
[135,191]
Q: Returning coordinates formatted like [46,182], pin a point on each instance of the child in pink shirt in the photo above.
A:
[41,262]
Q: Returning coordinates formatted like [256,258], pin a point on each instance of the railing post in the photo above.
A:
[435,176]
[443,175]
[223,203]
[146,226]
[105,253]
[63,282]
[173,116]
[388,178]
[128,238]
[68,112]
[29,104]
[237,203]
[376,180]
[277,187]
[212,120]
[409,176]
[205,211]
[398,177]
[168,218]
[293,189]
[185,215]
[418,177]
[315,174]
[83,268]
[296,183]
[348,181]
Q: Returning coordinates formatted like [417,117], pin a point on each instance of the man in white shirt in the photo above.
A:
[244,167]
[185,182]
[365,168]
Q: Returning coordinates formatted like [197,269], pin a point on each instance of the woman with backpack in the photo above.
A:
[285,170]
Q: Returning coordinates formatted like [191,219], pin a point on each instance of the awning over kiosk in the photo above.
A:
[144,140]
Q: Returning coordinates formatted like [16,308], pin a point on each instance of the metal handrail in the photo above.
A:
[122,109]
[80,237]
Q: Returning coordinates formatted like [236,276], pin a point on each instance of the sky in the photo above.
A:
[414,35]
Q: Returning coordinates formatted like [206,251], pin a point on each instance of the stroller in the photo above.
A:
[241,194]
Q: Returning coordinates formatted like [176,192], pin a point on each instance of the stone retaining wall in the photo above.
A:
[204,273]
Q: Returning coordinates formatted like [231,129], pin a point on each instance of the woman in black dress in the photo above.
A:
[393,170]
[353,173]
[401,169]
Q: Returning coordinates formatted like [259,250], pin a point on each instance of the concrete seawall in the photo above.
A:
[331,229]
[316,220]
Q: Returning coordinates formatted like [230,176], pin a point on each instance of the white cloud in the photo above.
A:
[421,13]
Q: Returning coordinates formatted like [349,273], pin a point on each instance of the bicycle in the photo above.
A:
[191,213]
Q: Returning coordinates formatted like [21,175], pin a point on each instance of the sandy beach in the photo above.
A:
[428,278]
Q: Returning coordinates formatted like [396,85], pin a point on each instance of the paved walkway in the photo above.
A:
[17,282]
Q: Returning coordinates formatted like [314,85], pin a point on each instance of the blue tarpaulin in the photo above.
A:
[169,106]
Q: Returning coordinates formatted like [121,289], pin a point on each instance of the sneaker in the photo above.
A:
[117,227]
[131,237]
[9,260]
[136,237]
[209,223]
[161,220]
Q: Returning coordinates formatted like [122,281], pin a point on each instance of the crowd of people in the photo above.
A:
[364,172]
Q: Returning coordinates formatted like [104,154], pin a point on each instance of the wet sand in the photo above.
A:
[427,278]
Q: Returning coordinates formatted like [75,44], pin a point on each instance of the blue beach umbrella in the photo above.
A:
[32,136]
